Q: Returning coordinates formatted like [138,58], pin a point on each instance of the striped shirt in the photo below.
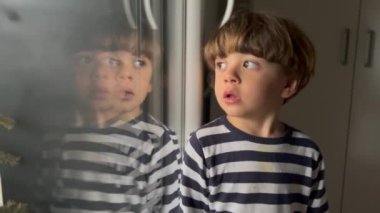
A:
[227,170]
[126,167]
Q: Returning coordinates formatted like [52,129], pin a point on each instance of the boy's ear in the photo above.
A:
[290,89]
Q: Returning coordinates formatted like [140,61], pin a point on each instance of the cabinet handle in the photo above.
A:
[128,13]
[371,48]
[149,14]
[227,12]
[346,46]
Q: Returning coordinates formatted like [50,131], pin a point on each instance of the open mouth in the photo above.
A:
[230,97]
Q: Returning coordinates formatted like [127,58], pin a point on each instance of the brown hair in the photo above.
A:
[112,33]
[273,38]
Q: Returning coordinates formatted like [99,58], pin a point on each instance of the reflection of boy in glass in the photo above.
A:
[118,157]
[115,80]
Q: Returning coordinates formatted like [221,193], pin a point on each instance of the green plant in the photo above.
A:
[11,160]
[7,158]
[7,122]
[14,207]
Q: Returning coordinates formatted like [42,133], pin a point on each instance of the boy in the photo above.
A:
[117,158]
[249,161]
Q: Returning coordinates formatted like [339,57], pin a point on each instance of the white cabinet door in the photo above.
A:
[362,185]
[322,109]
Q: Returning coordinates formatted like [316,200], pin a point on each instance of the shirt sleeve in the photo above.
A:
[318,197]
[165,175]
[193,189]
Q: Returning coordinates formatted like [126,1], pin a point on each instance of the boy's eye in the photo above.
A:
[84,59]
[220,65]
[114,62]
[250,64]
[139,63]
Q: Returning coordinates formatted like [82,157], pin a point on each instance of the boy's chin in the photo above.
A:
[232,111]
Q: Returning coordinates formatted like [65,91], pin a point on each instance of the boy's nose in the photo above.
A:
[231,76]
[125,74]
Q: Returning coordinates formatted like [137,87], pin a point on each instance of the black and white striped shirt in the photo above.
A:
[227,170]
[126,167]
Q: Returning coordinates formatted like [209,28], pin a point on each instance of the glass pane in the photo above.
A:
[84,104]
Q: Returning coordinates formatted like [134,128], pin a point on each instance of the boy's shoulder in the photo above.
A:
[216,122]
[214,127]
[147,124]
[299,138]
[147,128]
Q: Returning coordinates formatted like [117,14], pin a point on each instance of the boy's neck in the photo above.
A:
[128,116]
[269,127]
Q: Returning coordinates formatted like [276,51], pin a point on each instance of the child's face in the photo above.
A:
[134,81]
[96,80]
[116,82]
[249,87]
